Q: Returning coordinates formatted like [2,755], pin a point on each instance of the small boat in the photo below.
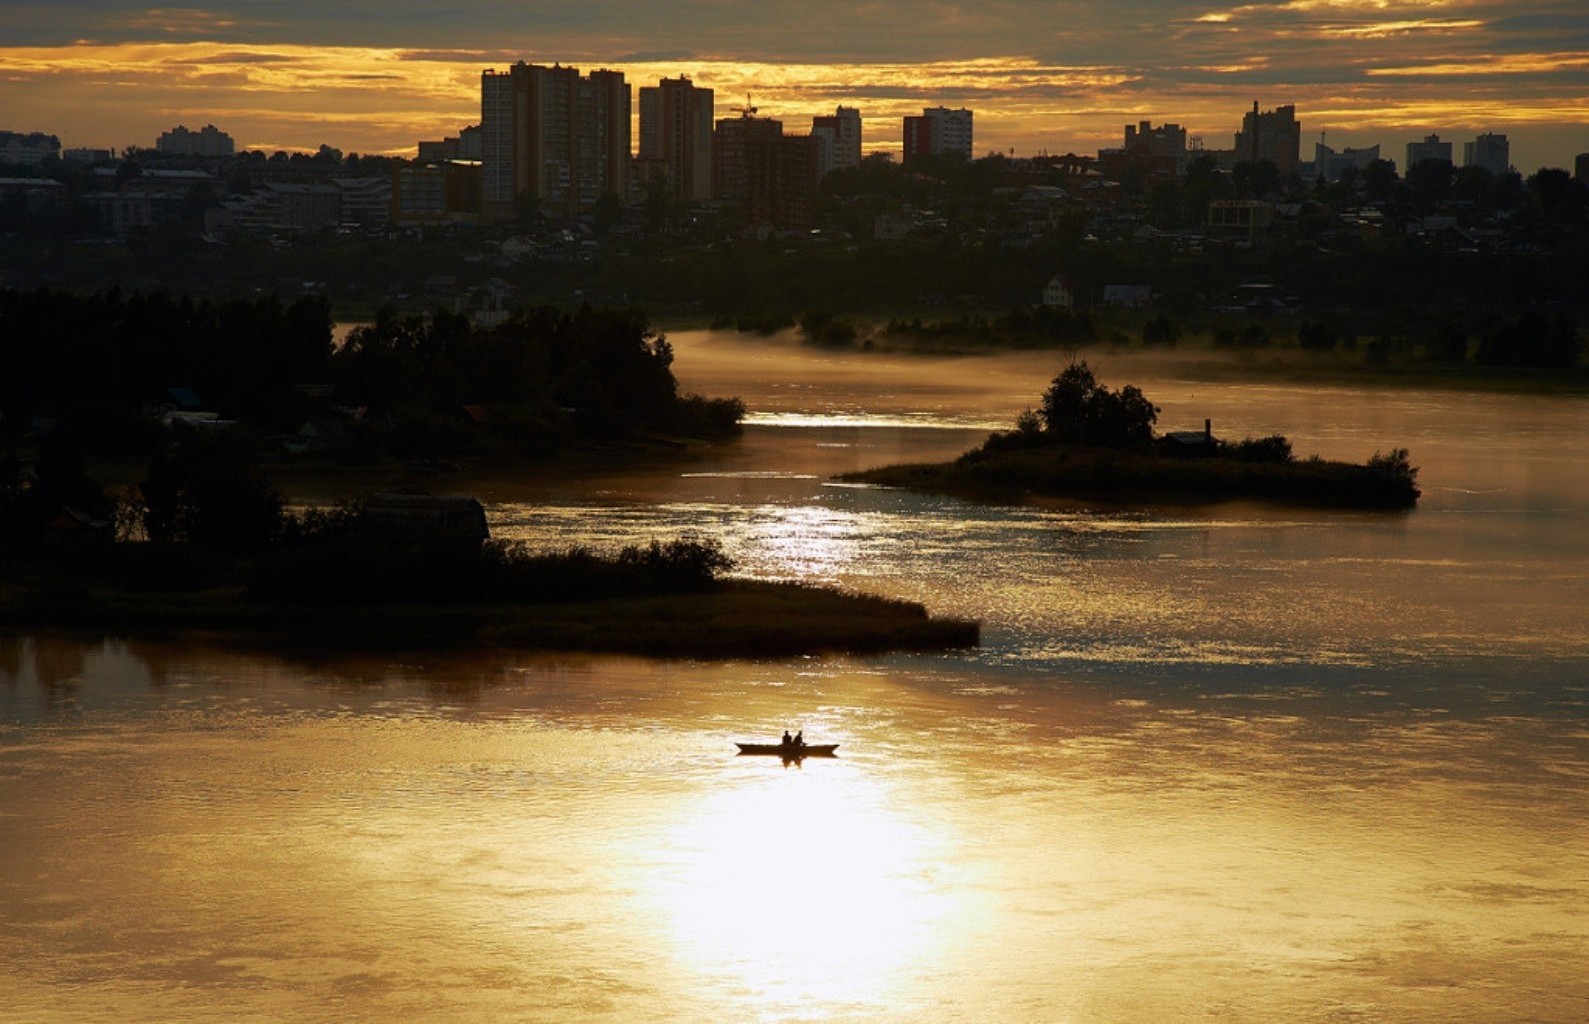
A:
[789,751]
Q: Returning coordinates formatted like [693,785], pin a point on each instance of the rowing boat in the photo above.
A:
[789,751]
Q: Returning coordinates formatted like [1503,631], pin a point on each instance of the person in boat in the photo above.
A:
[800,738]
[786,740]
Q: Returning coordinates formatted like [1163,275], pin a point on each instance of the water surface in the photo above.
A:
[1232,763]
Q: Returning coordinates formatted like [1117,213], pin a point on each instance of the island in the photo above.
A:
[1087,442]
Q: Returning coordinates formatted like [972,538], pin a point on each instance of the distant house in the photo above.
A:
[424,518]
[317,435]
[1057,294]
[1128,296]
[1190,443]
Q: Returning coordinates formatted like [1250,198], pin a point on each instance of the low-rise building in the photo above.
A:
[29,148]
[123,212]
[441,193]
[37,195]
[1240,216]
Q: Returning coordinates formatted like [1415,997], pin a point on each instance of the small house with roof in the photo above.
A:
[1058,294]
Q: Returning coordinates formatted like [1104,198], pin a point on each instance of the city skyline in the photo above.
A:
[1360,71]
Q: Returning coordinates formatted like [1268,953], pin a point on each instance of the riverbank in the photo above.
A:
[738,618]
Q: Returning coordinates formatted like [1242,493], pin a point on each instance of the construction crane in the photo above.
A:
[747,110]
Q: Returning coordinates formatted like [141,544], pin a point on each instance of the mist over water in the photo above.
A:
[1230,763]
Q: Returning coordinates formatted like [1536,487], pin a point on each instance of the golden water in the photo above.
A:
[1225,764]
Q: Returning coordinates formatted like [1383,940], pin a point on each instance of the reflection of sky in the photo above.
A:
[1040,76]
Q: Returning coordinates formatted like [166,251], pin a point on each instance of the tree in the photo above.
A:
[1379,180]
[1256,178]
[1430,182]
[204,493]
[1161,330]
[1077,409]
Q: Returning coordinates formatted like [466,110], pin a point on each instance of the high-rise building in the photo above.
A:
[1489,151]
[938,131]
[733,136]
[825,139]
[207,141]
[780,181]
[843,128]
[1431,148]
[676,137]
[549,133]
[1273,135]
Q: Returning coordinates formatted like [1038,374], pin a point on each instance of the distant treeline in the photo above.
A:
[98,367]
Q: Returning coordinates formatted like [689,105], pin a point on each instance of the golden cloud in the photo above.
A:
[1493,64]
[1383,29]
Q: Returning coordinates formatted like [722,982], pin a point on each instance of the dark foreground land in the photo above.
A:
[737,619]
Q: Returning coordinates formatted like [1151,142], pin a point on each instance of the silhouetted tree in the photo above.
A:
[1076,408]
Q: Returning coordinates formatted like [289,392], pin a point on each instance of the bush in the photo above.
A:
[1274,448]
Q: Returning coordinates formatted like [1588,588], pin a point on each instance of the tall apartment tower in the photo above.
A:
[1491,152]
[780,181]
[1273,135]
[676,137]
[552,134]
[938,130]
[730,152]
[842,129]
[1431,148]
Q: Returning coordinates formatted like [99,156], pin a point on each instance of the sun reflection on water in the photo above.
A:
[805,889]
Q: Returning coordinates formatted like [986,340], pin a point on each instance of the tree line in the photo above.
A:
[101,368]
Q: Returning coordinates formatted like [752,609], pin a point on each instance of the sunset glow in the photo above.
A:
[1365,71]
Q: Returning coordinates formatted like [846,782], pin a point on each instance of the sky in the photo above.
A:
[1051,76]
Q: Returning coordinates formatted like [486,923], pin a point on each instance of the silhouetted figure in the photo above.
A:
[800,738]
[786,740]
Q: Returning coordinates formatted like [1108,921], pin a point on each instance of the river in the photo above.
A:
[1232,763]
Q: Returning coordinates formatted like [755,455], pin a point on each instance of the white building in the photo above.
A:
[843,127]
[1431,148]
[939,131]
[1489,151]
[1058,295]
